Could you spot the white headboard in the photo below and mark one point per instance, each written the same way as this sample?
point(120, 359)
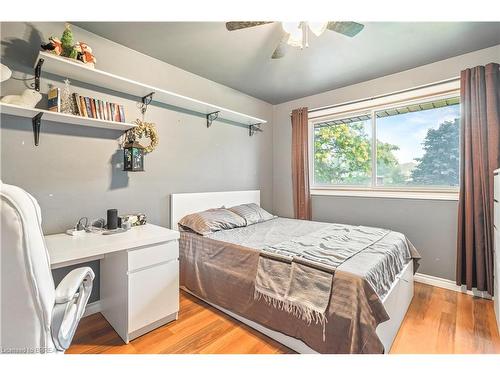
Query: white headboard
point(188, 203)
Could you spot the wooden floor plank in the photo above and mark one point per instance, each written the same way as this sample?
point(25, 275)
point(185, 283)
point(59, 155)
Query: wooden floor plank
point(438, 321)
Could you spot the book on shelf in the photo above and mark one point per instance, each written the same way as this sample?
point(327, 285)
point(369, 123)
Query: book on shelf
point(102, 110)
point(76, 101)
point(108, 111)
point(99, 109)
point(122, 113)
point(88, 107)
point(83, 106)
point(92, 108)
point(54, 99)
point(116, 117)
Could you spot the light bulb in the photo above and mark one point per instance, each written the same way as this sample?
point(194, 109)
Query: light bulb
point(317, 28)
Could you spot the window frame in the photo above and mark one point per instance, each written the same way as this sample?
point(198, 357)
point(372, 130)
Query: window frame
point(370, 107)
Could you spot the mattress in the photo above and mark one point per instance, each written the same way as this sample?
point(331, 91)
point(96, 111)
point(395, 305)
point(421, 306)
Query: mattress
point(221, 269)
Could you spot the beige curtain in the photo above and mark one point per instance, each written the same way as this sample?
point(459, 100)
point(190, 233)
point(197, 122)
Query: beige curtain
point(300, 165)
point(480, 156)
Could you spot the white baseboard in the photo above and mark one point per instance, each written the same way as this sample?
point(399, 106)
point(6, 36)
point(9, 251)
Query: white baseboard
point(92, 308)
point(449, 284)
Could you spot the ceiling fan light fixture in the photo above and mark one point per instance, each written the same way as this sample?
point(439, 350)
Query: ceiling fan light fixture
point(294, 29)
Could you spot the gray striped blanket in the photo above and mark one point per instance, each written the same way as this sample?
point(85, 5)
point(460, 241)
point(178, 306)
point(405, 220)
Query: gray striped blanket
point(296, 275)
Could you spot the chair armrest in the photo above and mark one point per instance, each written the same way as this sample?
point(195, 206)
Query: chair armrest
point(69, 286)
point(71, 297)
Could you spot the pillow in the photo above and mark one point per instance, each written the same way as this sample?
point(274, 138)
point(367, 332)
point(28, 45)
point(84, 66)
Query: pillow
point(252, 213)
point(212, 220)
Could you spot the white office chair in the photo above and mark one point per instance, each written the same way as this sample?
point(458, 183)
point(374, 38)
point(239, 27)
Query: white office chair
point(35, 317)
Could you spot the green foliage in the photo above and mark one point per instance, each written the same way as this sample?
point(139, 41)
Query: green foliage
point(68, 47)
point(343, 155)
point(440, 163)
point(388, 165)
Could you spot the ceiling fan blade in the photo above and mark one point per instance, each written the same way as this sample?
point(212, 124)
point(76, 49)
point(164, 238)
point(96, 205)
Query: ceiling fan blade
point(231, 26)
point(281, 48)
point(346, 28)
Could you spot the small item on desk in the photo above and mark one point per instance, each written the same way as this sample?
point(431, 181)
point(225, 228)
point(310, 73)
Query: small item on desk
point(74, 232)
point(114, 231)
point(79, 228)
point(134, 219)
point(112, 222)
point(126, 225)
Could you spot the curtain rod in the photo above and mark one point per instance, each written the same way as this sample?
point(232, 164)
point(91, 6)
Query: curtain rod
point(383, 95)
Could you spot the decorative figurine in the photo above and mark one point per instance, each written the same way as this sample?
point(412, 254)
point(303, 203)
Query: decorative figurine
point(29, 99)
point(85, 54)
point(54, 45)
point(67, 102)
point(5, 73)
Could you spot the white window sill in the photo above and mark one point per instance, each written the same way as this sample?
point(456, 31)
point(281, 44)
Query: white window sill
point(426, 195)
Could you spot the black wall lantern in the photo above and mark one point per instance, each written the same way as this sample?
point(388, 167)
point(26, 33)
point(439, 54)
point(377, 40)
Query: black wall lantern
point(133, 155)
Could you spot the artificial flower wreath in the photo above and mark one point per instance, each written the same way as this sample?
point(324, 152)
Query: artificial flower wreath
point(147, 130)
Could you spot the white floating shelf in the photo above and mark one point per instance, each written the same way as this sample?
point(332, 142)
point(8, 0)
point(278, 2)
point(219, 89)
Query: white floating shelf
point(15, 110)
point(74, 70)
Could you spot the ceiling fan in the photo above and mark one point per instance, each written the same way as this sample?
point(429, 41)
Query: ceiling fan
point(296, 34)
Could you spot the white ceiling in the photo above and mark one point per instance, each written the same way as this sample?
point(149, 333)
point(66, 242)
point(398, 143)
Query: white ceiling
point(241, 59)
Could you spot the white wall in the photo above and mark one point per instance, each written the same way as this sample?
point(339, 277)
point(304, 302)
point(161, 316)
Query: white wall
point(430, 225)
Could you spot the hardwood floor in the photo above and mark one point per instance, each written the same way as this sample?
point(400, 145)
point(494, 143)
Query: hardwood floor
point(441, 321)
point(438, 321)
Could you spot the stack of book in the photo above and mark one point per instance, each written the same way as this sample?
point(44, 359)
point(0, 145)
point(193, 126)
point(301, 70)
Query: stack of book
point(87, 107)
point(99, 109)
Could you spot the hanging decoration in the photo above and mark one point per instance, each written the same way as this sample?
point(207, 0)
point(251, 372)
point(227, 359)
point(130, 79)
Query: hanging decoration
point(133, 155)
point(65, 47)
point(133, 151)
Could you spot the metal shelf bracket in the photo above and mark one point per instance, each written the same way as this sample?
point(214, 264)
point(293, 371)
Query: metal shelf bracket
point(36, 121)
point(254, 128)
point(38, 72)
point(146, 100)
point(211, 117)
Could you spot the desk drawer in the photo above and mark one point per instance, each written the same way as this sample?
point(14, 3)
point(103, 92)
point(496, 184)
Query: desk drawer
point(153, 294)
point(151, 255)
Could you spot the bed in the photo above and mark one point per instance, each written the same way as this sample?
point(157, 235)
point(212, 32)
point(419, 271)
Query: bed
point(370, 292)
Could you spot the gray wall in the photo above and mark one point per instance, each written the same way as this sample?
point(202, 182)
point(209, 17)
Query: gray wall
point(76, 171)
point(429, 224)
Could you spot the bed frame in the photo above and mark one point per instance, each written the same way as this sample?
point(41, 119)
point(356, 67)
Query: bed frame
point(396, 301)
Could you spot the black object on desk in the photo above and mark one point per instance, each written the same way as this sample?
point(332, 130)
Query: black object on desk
point(112, 222)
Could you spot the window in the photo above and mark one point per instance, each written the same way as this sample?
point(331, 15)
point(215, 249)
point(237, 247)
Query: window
point(414, 146)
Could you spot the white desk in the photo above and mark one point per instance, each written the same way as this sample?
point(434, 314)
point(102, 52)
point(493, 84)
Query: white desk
point(139, 274)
